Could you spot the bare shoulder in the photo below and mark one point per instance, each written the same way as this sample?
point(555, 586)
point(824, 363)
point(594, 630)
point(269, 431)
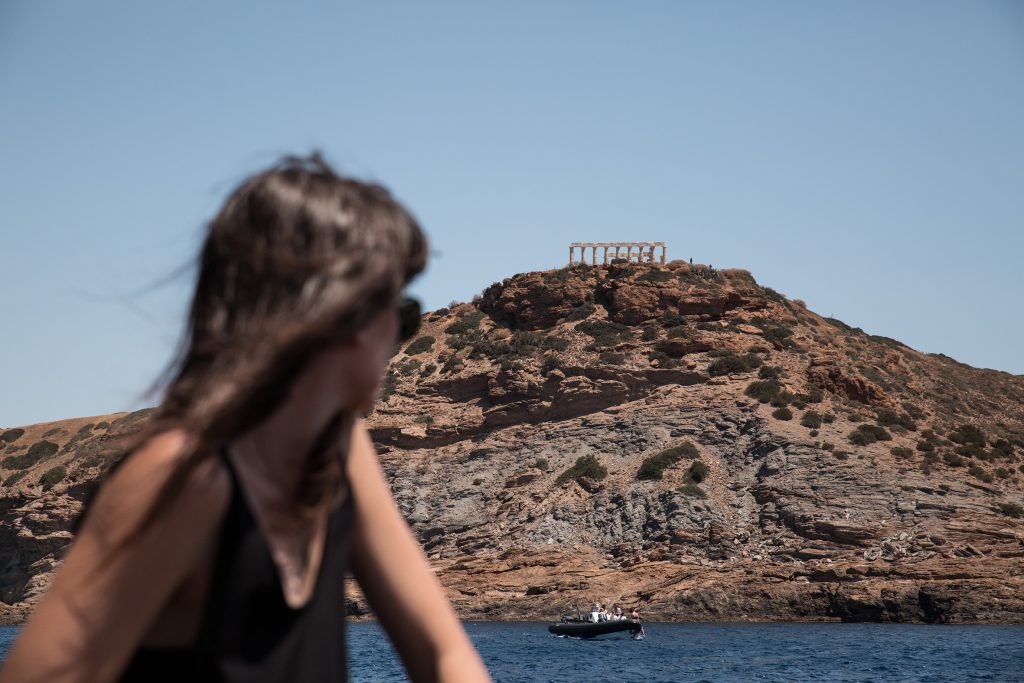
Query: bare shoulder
point(135, 486)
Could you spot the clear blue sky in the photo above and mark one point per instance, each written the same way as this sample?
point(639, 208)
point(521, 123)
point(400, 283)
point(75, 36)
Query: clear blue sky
point(867, 157)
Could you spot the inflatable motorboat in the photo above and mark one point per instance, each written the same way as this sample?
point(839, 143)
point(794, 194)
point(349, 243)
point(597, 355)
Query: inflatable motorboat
point(582, 628)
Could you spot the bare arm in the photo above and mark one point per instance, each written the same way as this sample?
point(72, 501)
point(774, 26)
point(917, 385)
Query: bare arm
point(108, 592)
point(399, 582)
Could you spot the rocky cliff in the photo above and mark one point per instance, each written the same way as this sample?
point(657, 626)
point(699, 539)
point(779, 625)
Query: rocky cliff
point(669, 437)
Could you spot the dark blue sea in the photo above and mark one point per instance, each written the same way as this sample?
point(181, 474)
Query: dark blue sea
point(718, 652)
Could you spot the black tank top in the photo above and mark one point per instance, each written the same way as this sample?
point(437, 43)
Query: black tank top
point(248, 633)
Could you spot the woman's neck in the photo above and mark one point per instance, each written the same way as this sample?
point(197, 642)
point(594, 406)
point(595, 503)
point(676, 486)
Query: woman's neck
point(274, 453)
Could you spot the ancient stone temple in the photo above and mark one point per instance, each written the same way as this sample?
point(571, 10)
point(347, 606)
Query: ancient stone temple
point(636, 252)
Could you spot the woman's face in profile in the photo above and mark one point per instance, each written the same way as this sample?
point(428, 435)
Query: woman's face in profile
point(352, 372)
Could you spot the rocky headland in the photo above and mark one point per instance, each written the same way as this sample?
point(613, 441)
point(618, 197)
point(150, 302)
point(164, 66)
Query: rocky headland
point(669, 437)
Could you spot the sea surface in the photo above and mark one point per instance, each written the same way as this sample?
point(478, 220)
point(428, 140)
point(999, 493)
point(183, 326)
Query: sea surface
point(717, 652)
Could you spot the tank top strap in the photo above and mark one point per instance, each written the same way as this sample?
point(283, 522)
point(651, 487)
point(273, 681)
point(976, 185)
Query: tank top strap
point(236, 523)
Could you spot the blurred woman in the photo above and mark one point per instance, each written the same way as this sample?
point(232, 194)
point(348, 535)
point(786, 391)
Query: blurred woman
point(216, 549)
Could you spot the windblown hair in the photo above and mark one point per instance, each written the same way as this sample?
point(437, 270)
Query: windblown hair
point(297, 259)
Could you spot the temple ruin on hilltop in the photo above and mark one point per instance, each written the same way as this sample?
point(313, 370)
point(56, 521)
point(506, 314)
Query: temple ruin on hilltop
point(645, 252)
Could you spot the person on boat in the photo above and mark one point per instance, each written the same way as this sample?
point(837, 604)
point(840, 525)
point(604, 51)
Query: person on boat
point(634, 615)
point(618, 614)
point(595, 614)
point(216, 550)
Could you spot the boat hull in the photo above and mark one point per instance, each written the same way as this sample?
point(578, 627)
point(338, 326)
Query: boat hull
point(589, 629)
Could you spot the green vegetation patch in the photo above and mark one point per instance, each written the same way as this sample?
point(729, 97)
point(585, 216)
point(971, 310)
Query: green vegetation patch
point(522, 345)
point(12, 435)
point(1011, 510)
point(388, 386)
point(778, 336)
point(15, 478)
point(979, 473)
point(52, 477)
point(420, 345)
point(451, 364)
point(586, 466)
point(38, 452)
point(764, 390)
point(866, 434)
point(654, 466)
point(553, 342)
point(901, 452)
point(729, 363)
point(581, 312)
point(811, 419)
point(891, 418)
point(836, 322)
point(604, 333)
point(1001, 448)
point(968, 434)
point(557, 276)
point(813, 395)
point(550, 364)
point(672, 318)
point(692, 490)
point(972, 450)
point(782, 413)
point(466, 323)
point(408, 367)
point(698, 472)
point(664, 360)
point(952, 459)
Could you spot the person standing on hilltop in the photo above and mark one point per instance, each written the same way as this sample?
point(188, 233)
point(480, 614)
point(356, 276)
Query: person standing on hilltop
point(216, 549)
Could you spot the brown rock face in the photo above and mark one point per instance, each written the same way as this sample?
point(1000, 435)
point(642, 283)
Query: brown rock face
point(535, 301)
point(677, 348)
point(836, 380)
point(635, 301)
point(539, 453)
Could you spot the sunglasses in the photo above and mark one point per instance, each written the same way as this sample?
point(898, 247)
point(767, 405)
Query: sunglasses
point(408, 319)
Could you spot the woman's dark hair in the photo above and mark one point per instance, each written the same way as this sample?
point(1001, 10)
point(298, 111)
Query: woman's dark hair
point(297, 259)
